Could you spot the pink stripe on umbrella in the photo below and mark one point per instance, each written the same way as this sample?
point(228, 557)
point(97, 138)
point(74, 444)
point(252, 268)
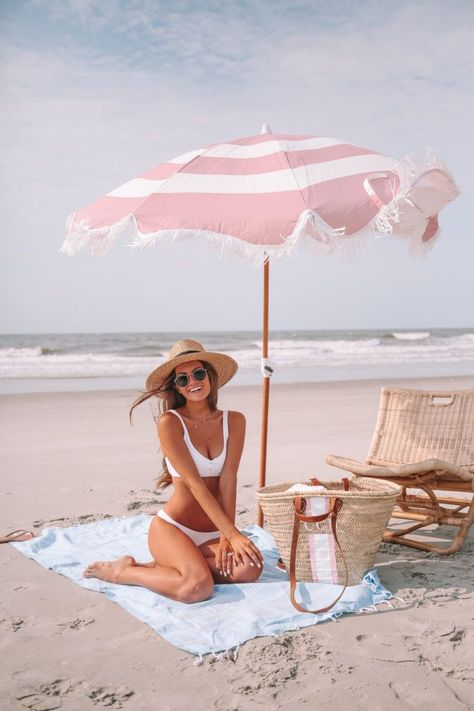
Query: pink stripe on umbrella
point(259, 219)
point(327, 198)
point(107, 211)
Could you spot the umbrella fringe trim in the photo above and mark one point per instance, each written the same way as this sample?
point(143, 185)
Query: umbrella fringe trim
point(256, 254)
point(98, 240)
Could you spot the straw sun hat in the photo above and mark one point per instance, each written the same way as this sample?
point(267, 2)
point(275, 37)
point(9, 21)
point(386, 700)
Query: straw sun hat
point(186, 350)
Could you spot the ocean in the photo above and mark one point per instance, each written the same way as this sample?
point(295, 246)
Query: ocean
point(97, 361)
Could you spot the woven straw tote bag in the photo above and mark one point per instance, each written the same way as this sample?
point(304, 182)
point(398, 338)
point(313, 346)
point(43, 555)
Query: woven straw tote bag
point(329, 533)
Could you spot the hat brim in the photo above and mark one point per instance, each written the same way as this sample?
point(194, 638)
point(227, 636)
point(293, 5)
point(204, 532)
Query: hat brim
point(225, 367)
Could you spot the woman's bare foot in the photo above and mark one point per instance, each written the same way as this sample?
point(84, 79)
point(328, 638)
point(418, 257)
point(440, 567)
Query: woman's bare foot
point(110, 570)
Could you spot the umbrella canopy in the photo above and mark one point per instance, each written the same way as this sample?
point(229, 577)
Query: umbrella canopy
point(257, 196)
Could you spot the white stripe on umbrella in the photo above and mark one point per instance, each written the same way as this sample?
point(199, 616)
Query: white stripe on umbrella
point(187, 157)
point(274, 182)
point(264, 149)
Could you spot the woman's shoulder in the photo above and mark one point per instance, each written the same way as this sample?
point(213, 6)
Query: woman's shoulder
point(167, 422)
point(235, 418)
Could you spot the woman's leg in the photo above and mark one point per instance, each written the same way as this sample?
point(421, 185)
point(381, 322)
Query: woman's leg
point(179, 570)
point(240, 574)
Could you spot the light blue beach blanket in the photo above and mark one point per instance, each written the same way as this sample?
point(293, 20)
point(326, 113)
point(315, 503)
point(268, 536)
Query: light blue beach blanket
point(235, 612)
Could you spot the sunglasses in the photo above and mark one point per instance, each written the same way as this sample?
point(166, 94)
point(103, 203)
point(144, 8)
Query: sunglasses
point(182, 380)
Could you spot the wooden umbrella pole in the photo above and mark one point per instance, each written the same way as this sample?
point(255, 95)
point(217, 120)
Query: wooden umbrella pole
point(265, 385)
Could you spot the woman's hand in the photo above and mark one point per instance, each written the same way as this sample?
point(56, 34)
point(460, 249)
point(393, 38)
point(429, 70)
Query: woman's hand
point(245, 551)
point(224, 557)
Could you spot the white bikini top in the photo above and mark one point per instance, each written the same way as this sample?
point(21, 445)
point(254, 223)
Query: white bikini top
point(206, 467)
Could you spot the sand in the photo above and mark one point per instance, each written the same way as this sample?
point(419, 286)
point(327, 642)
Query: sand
point(72, 457)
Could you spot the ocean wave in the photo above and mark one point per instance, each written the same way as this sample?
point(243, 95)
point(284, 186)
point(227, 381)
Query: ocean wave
point(87, 365)
point(36, 352)
point(296, 347)
point(369, 351)
point(320, 352)
point(6, 353)
point(411, 335)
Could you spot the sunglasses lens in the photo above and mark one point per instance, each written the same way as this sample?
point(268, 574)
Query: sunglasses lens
point(183, 379)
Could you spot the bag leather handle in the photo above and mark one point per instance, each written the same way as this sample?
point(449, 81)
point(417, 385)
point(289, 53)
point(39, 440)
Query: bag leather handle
point(335, 506)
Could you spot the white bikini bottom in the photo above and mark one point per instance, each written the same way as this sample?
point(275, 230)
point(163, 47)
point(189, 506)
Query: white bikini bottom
point(197, 537)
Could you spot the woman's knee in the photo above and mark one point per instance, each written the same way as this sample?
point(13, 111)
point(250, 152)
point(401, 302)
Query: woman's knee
point(196, 588)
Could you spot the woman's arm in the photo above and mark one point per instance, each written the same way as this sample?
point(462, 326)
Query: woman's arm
point(228, 477)
point(227, 492)
point(242, 547)
point(170, 432)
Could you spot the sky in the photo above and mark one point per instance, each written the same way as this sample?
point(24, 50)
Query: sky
point(96, 92)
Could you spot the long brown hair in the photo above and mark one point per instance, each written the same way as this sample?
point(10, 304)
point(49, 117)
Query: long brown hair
point(170, 399)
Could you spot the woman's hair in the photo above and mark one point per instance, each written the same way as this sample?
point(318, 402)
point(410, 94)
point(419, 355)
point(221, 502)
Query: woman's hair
point(170, 399)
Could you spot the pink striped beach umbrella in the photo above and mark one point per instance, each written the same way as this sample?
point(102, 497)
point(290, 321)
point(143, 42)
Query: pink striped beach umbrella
point(259, 196)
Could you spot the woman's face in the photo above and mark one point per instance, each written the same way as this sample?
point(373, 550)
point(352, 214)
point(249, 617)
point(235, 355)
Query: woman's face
point(195, 390)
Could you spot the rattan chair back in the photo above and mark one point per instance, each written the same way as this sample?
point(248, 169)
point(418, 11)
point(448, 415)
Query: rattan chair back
point(413, 425)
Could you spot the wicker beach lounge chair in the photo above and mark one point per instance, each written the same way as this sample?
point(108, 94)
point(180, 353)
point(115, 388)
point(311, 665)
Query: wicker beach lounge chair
point(424, 441)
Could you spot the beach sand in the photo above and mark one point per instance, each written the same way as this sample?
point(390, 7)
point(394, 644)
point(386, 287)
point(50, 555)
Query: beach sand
point(72, 457)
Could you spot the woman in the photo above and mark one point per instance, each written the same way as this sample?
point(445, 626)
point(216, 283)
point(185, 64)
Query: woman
point(193, 540)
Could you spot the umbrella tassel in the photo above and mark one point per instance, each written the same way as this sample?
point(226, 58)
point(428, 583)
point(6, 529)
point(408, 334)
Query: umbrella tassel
point(97, 239)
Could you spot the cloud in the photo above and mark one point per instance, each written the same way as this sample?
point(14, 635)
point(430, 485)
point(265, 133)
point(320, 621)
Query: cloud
point(232, 38)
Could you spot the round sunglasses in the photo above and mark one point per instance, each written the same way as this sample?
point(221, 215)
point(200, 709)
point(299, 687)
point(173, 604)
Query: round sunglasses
point(183, 379)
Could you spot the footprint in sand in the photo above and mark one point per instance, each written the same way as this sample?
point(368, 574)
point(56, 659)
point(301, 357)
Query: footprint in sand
point(54, 522)
point(105, 696)
point(47, 697)
point(16, 625)
point(458, 635)
point(272, 664)
point(69, 521)
point(77, 624)
point(39, 702)
point(136, 505)
point(145, 499)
